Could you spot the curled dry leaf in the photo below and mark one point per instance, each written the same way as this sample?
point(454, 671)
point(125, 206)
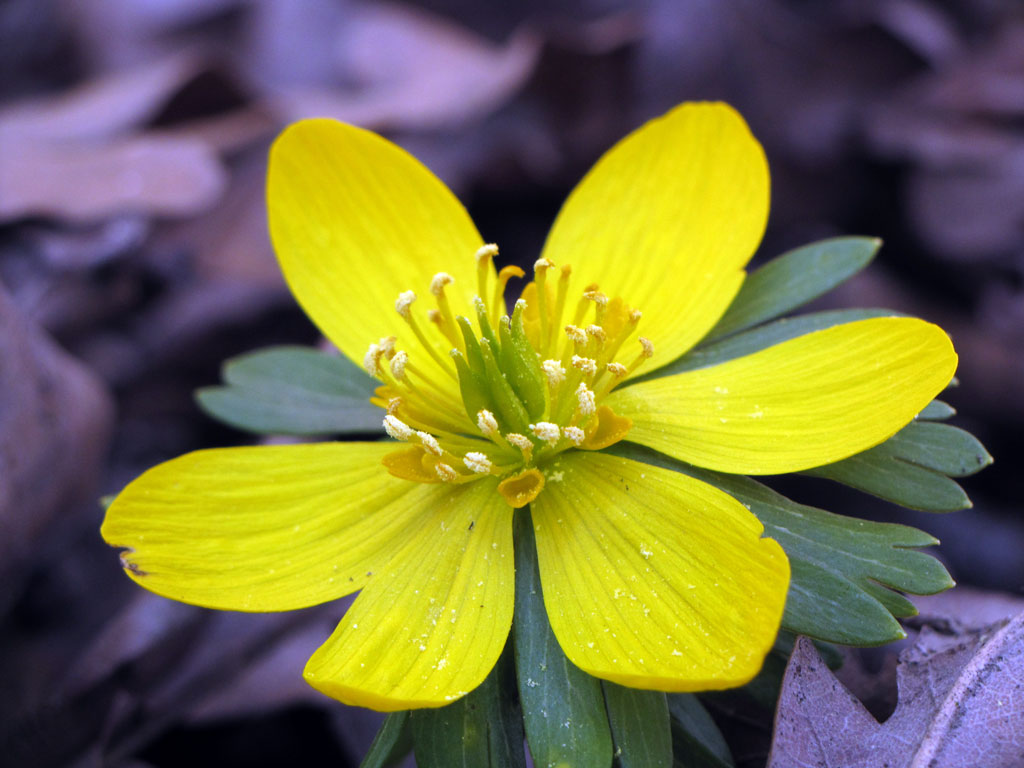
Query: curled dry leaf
point(413, 70)
point(55, 423)
point(961, 705)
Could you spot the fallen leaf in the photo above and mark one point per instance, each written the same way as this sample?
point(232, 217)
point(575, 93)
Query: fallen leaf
point(961, 705)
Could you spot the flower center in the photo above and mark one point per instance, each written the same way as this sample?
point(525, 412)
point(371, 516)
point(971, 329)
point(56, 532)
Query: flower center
point(519, 389)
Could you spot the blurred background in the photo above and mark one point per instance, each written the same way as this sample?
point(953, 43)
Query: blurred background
point(134, 259)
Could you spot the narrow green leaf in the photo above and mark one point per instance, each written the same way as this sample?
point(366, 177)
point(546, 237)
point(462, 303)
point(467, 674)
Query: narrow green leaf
point(696, 740)
point(295, 391)
point(762, 337)
point(838, 563)
point(483, 729)
point(563, 707)
point(392, 742)
point(793, 279)
point(640, 726)
point(913, 467)
point(937, 410)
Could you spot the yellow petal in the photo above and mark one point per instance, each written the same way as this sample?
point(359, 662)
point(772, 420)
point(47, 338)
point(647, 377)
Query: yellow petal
point(667, 219)
point(653, 579)
point(265, 528)
point(430, 625)
point(809, 401)
point(355, 221)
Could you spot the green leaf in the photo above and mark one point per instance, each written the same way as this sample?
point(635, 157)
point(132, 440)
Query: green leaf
point(762, 337)
point(640, 726)
point(294, 391)
point(937, 410)
point(844, 570)
point(696, 740)
point(793, 279)
point(914, 466)
point(392, 742)
point(563, 707)
point(483, 729)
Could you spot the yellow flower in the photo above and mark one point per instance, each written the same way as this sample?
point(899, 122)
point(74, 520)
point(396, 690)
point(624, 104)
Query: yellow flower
point(651, 578)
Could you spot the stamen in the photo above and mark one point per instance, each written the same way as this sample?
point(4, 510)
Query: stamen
point(596, 332)
point(477, 462)
point(404, 302)
point(648, 346)
point(574, 434)
point(371, 361)
point(441, 279)
point(398, 363)
point(586, 400)
point(484, 256)
point(600, 304)
point(487, 424)
point(618, 370)
point(387, 346)
point(540, 271)
point(523, 443)
point(563, 289)
point(445, 472)
point(576, 335)
point(585, 364)
point(393, 405)
point(430, 443)
point(506, 274)
point(547, 432)
point(583, 304)
point(554, 371)
point(396, 428)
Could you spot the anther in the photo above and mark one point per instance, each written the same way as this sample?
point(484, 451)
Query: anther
point(522, 442)
point(404, 302)
point(477, 462)
point(441, 279)
point(585, 398)
point(554, 371)
point(398, 363)
point(547, 432)
point(430, 443)
point(597, 333)
point(371, 361)
point(396, 428)
point(575, 435)
point(387, 346)
point(434, 316)
point(445, 472)
point(486, 422)
point(575, 334)
point(585, 364)
point(542, 264)
point(393, 405)
point(648, 347)
point(488, 251)
point(618, 370)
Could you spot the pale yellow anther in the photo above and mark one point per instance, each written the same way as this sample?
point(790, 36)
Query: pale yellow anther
point(445, 472)
point(648, 347)
point(618, 370)
point(586, 400)
point(371, 361)
point(597, 333)
point(542, 264)
point(522, 442)
point(387, 346)
point(430, 443)
point(441, 279)
point(477, 462)
point(547, 432)
point(434, 316)
point(404, 302)
point(576, 335)
point(398, 363)
point(487, 251)
point(487, 424)
point(393, 405)
point(585, 364)
point(575, 435)
point(597, 297)
point(397, 429)
point(635, 315)
point(555, 372)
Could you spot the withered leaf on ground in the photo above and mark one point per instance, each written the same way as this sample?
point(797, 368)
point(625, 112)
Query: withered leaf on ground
point(961, 705)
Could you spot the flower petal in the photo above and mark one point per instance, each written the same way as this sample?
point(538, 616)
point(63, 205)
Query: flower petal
point(667, 219)
point(430, 625)
point(355, 221)
point(653, 579)
point(806, 402)
point(264, 528)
